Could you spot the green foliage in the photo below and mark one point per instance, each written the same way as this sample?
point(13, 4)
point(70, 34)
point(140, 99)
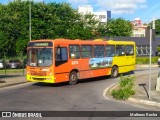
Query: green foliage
point(125, 88)
point(115, 27)
point(158, 49)
point(157, 25)
point(49, 21)
point(119, 27)
point(145, 60)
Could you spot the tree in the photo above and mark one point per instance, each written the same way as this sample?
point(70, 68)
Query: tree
point(119, 27)
point(157, 27)
point(50, 21)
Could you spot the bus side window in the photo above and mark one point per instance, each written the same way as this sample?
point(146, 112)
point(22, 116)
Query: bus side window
point(86, 51)
point(110, 51)
point(98, 51)
point(129, 50)
point(74, 51)
point(61, 54)
point(64, 54)
point(120, 50)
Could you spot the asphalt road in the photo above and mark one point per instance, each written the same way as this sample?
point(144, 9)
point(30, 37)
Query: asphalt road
point(87, 95)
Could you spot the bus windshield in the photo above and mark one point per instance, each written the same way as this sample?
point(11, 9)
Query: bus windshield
point(40, 57)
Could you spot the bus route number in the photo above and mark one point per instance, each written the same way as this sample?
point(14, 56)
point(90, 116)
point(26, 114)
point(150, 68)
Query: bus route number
point(74, 62)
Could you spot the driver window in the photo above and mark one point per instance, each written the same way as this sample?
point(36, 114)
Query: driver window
point(61, 54)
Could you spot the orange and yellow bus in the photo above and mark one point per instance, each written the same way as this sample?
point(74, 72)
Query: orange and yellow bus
point(61, 60)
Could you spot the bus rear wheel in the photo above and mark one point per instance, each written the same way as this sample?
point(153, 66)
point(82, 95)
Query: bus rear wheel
point(73, 78)
point(114, 72)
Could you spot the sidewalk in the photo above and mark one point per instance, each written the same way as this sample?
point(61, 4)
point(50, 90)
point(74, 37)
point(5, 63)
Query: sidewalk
point(12, 80)
point(141, 87)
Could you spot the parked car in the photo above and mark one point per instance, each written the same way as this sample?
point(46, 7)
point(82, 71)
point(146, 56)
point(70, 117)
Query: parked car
point(159, 62)
point(2, 64)
point(15, 64)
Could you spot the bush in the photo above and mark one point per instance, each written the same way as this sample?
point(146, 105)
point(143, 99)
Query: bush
point(125, 88)
point(145, 60)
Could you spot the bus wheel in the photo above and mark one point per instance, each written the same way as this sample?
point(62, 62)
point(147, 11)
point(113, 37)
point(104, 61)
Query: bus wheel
point(73, 78)
point(114, 72)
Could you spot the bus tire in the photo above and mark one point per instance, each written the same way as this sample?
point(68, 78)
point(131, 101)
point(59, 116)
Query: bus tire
point(114, 72)
point(73, 78)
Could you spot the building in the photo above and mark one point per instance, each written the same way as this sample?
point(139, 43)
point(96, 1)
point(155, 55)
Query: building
point(139, 29)
point(142, 44)
point(102, 16)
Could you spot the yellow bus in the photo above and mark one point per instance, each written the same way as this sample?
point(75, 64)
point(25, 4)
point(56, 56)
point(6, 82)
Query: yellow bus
point(123, 54)
point(61, 60)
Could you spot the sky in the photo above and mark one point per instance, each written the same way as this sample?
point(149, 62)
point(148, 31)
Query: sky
point(146, 10)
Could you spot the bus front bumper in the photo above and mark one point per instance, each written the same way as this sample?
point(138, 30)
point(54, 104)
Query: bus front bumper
point(44, 79)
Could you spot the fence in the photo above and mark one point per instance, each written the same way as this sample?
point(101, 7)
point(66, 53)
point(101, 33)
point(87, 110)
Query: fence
point(12, 68)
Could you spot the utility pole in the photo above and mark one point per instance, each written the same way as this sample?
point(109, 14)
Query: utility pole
point(150, 56)
point(30, 29)
point(150, 59)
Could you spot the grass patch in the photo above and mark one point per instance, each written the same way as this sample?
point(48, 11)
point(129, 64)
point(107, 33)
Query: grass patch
point(125, 88)
point(12, 70)
point(146, 60)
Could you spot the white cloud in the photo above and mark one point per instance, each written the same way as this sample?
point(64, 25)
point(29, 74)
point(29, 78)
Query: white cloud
point(122, 6)
point(116, 6)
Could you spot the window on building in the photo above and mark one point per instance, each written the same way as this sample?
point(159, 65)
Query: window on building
point(141, 35)
point(143, 50)
point(102, 16)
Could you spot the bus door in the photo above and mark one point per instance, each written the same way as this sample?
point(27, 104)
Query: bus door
point(61, 63)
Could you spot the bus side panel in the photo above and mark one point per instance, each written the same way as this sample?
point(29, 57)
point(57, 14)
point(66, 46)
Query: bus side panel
point(124, 63)
point(86, 71)
point(62, 71)
point(61, 77)
point(120, 62)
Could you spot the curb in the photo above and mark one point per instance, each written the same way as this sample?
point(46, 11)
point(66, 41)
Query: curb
point(146, 102)
point(11, 84)
point(145, 66)
point(108, 89)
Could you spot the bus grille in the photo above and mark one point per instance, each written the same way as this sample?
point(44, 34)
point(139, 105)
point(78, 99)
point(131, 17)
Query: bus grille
point(42, 79)
point(40, 73)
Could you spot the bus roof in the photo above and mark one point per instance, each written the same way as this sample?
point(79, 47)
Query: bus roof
point(78, 41)
point(120, 42)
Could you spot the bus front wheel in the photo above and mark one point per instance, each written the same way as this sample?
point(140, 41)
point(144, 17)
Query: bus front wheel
point(114, 72)
point(73, 78)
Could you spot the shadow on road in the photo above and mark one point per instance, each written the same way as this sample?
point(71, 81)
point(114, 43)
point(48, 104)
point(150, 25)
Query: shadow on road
point(80, 81)
point(9, 76)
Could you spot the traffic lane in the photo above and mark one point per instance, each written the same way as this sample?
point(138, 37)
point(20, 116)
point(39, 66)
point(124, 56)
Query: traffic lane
point(86, 95)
